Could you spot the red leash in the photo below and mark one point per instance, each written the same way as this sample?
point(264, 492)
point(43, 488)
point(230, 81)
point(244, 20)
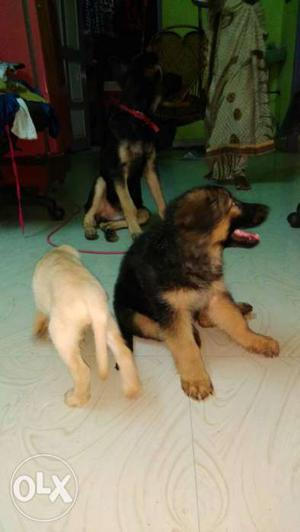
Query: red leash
point(87, 252)
point(137, 114)
point(60, 226)
point(17, 179)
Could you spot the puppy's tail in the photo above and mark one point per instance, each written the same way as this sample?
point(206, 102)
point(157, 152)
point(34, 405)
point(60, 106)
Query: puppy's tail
point(99, 317)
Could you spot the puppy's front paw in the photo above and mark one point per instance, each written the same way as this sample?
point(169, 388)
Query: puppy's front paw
point(91, 234)
point(265, 345)
point(71, 399)
point(198, 388)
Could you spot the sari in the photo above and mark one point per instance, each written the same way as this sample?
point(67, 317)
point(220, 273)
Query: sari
point(238, 117)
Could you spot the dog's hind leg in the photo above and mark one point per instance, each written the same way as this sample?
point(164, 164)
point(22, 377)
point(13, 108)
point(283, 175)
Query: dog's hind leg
point(246, 309)
point(89, 221)
point(40, 325)
point(124, 360)
point(228, 317)
point(154, 185)
point(66, 340)
point(110, 228)
point(146, 328)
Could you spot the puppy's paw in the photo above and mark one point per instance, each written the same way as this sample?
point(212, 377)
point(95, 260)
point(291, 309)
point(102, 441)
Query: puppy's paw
point(198, 388)
point(245, 308)
point(111, 235)
point(71, 399)
point(91, 234)
point(265, 345)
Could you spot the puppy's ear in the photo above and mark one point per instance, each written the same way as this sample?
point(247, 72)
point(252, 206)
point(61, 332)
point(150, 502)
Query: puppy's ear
point(198, 211)
point(119, 70)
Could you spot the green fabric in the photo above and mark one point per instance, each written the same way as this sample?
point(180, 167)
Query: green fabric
point(20, 91)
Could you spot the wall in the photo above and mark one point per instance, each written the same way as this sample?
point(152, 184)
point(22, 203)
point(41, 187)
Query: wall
point(273, 19)
point(183, 12)
point(179, 12)
point(281, 26)
point(289, 25)
point(281, 19)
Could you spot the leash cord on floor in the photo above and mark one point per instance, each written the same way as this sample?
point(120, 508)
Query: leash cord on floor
point(86, 251)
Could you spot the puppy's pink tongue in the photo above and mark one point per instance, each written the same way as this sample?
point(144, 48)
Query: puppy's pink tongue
point(245, 236)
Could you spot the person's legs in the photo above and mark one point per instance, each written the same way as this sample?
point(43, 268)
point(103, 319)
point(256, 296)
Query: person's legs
point(229, 168)
point(238, 116)
point(239, 169)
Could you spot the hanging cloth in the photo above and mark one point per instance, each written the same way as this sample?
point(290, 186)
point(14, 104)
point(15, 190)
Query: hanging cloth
point(23, 126)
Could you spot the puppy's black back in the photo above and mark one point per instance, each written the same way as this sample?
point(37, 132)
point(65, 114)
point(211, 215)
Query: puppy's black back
point(149, 267)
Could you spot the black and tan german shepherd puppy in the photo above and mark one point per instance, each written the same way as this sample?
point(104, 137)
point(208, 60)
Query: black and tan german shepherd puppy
point(129, 153)
point(172, 277)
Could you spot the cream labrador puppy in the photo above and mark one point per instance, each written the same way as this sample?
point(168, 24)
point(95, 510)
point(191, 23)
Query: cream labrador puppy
point(68, 300)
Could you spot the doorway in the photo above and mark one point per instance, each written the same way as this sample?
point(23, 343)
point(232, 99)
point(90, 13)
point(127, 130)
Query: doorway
point(92, 32)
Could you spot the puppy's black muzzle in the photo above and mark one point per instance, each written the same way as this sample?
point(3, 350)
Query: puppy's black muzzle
point(252, 214)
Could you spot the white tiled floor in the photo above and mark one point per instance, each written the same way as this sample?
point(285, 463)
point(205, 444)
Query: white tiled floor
point(162, 463)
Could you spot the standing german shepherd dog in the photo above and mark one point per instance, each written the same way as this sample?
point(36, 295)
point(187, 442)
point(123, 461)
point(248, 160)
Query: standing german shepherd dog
point(116, 201)
point(172, 277)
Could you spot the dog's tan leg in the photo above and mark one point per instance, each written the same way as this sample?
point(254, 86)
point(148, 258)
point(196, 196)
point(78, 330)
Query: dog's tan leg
point(224, 313)
point(40, 325)
point(66, 340)
point(142, 216)
point(147, 328)
point(154, 185)
point(124, 359)
point(129, 209)
point(205, 321)
point(89, 221)
point(195, 380)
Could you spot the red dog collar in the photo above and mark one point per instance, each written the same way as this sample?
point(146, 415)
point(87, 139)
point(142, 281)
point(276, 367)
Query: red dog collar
point(140, 116)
